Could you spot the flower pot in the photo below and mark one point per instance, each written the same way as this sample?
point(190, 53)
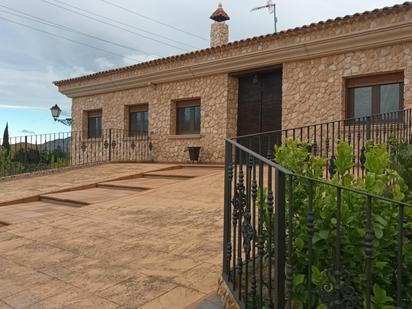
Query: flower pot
point(194, 152)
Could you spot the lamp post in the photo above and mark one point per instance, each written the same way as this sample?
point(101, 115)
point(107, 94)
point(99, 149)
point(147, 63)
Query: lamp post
point(56, 111)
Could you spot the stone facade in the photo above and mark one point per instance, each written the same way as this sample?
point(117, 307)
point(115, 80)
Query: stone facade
point(219, 35)
point(225, 295)
point(313, 81)
point(314, 89)
point(167, 146)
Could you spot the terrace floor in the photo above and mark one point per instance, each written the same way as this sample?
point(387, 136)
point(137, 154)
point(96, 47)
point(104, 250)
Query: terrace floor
point(118, 236)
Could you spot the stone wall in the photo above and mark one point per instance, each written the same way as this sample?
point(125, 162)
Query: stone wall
point(167, 146)
point(314, 89)
point(219, 34)
point(232, 105)
point(225, 295)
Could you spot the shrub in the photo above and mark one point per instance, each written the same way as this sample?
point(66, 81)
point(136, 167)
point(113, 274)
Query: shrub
point(401, 161)
point(327, 279)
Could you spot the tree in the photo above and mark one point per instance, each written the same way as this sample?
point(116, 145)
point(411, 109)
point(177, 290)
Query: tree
point(6, 143)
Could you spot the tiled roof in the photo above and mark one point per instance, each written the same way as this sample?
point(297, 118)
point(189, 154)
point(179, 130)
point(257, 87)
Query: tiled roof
point(219, 15)
point(297, 30)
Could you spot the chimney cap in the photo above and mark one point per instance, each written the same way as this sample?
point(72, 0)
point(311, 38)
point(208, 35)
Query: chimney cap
point(220, 15)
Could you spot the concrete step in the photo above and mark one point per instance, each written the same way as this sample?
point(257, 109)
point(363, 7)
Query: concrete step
point(3, 224)
point(114, 186)
point(166, 176)
point(62, 201)
point(141, 183)
point(89, 196)
point(185, 172)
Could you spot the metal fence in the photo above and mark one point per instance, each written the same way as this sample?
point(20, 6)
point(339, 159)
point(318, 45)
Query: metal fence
point(323, 137)
point(25, 154)
point(274, 253)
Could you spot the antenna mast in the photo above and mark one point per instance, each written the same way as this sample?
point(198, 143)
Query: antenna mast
point(272, 10)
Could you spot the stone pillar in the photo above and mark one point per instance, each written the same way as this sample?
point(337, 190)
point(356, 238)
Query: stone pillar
point(219, 34)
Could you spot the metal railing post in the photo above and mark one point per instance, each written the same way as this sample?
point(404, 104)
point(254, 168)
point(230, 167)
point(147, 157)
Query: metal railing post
point(368, 127)
point(227, 203)
point(25, 152)
point(110, 144)
point(280, 238)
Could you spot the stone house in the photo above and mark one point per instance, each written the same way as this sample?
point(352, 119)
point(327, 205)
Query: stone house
point(347, 67)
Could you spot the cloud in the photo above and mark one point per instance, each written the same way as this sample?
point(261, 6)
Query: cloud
point(22, 107)
point(30, 61)
point(24, 131)
point(104, 64)
point(131, 59)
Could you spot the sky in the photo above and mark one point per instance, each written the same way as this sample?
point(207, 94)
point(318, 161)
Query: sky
point(30, 60)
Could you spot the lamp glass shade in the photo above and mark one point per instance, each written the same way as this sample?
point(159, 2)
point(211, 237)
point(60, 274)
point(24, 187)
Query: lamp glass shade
point(55, 111)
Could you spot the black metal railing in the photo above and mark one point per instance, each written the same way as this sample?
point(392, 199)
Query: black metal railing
point(323, 137)
point(25, 154)
point(278, 254)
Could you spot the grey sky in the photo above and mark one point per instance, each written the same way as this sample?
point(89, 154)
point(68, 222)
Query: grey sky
point(30, 61)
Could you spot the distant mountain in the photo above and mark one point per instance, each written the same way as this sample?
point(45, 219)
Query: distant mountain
point(62, 144)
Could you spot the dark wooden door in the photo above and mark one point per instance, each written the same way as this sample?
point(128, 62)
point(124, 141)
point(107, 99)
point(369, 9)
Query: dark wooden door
point(260, 103)
point(260, 110)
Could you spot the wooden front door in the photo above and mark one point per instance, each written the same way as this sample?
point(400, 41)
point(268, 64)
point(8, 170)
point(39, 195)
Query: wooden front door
point(260, 103)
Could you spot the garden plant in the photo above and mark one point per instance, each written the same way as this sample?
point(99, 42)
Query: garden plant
point(388, 174)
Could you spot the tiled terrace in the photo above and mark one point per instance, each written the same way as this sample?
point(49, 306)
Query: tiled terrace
point(151, 242)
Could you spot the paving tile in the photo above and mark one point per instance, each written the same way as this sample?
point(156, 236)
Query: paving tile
point(89, 275)
point(4, 305)
point(17, 279)
point(38, 255)
point(145, 183)
point(159, 248)
point(138, 290)
point(9, 241)
point(73, 299)
point(29, 186)
point(42, 233)
point(124, 254)
point(36, 293)
point(187, 172)
point(94, 195)
point(177, 298)
point(203, 277)
point(163, 264)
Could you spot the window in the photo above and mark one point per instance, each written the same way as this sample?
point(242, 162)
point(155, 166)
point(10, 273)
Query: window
point(188, 117)
point(138, 120)
point(94, 124)
point(373, 95)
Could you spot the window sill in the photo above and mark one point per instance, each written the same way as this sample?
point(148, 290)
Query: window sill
point(185, 136)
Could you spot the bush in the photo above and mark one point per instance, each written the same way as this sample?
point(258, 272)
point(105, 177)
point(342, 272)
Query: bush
point(31, 160)
point(351, 276)
point(401, 161)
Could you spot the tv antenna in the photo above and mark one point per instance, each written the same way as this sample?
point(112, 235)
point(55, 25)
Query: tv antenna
point(271, 8)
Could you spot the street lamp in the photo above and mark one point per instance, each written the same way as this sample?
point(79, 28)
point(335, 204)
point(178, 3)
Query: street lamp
point(56, 111)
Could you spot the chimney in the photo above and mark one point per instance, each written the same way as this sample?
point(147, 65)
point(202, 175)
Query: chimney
point(219, 34)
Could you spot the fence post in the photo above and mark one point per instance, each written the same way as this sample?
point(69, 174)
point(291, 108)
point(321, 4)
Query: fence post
point(368, 127)
point(227, 205)
point(25, 151)
point(110, 144)
point(280, 237)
